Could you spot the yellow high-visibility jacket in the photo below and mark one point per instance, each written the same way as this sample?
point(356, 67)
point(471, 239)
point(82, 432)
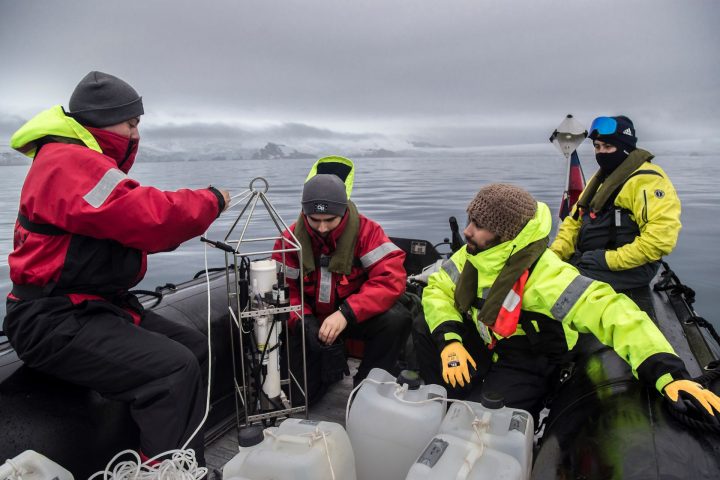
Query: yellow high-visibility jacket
point(556, 290)
point(652, 203)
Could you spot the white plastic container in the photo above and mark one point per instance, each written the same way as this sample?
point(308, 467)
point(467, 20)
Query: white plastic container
point(389, 426)
point(30, 465)
point(296, 450)
point(263, 275)
point(450, 457)
point(507, 430)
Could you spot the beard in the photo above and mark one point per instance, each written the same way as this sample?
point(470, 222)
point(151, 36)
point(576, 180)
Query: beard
point(474, 248)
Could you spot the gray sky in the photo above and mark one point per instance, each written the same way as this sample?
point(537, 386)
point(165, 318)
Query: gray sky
point(459, 73)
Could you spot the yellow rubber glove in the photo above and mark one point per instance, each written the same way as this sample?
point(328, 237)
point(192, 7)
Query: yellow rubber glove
point(687, 395)
point(455, 364)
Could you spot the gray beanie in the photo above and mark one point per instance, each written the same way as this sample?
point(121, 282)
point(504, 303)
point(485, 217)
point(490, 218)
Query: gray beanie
point(503, 209)
point(101, 100)
point(324, 193)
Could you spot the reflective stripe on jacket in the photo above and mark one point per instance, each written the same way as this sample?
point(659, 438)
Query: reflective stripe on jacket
point(652, 203)
point(556, 290)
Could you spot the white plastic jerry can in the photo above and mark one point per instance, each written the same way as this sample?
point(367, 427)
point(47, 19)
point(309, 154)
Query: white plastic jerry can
point(390, 424)
point(296, 450)
point(447, 456)
point(479, 441)
point(30, 465)
point(507, 430)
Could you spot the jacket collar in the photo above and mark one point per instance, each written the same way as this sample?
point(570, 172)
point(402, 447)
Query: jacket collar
point(119, 148)
point(50, 123)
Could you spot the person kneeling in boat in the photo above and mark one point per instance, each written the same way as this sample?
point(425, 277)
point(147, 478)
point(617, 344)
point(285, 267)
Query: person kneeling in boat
point(82, 237)
point(353, 280)
point(628, 216)
point(502, 312)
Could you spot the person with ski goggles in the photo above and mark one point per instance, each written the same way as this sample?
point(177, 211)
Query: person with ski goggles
point(628, 216)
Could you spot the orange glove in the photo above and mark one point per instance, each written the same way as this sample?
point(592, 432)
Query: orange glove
point(455, 364)
point(687, 395)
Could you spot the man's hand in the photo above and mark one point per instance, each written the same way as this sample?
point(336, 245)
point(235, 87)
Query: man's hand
point(226, 197)
point(331, 327)
point(455, 361)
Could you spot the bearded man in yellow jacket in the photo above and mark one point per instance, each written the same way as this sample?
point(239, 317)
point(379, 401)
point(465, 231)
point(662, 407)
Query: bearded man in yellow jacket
point(628, 216)
point(507, 306)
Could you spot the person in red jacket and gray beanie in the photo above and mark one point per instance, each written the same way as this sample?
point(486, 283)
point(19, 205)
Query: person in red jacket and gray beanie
point(81, 241)
point(353, 280)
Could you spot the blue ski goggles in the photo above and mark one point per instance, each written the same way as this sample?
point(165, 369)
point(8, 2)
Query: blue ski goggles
point(602, 126)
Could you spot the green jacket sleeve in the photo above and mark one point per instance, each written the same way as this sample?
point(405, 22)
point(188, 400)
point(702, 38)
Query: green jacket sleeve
point(654, 203)
point(589, 306)
point(620, 324)
point(438, 300)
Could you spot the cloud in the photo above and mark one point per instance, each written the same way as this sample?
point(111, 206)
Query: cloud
point(407, 68)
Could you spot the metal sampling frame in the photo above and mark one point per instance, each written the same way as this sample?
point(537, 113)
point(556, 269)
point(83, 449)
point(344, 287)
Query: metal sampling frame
point(247, 406)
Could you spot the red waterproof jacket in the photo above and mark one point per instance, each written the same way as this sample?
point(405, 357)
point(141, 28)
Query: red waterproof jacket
point(374, 284)
point(84, 227)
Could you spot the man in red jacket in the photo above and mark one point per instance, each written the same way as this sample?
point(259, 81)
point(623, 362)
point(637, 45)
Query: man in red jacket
point(353, 279)
point(81, 241)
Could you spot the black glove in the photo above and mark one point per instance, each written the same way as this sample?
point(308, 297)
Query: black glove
point(593, 260)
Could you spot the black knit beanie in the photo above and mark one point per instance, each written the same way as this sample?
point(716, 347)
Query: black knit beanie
point(101, 100)
point(324, 193)
point(623, 137)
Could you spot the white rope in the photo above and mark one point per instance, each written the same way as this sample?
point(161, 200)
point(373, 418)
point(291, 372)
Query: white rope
point(313, 437)
point(180, 466)
point(209, 335)
point(327, 454)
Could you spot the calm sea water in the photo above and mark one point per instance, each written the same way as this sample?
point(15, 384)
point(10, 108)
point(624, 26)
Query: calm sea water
point(411, 197)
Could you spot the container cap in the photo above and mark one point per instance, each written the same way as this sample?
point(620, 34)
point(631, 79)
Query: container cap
point(411, 378)
point(492, 400)
point(250, 436)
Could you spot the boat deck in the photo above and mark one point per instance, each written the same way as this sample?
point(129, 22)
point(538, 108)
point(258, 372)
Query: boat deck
point(330, 409)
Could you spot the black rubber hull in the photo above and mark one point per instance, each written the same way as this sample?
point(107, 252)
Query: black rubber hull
point(604, 424)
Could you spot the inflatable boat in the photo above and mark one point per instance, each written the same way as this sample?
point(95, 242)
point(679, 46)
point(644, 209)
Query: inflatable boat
point(602, 423)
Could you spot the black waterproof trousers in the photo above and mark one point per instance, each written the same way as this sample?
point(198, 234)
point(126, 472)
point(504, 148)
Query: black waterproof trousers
point(523, 378)
point(159, 368)
point(384, 336)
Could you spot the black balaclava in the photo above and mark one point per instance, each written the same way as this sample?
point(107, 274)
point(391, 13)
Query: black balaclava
point(623, 139)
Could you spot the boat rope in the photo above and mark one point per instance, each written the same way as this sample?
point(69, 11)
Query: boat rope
point(212, 270)
point(672, 284)
point(707, 379)
point(157, 293)
point(692, 422)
